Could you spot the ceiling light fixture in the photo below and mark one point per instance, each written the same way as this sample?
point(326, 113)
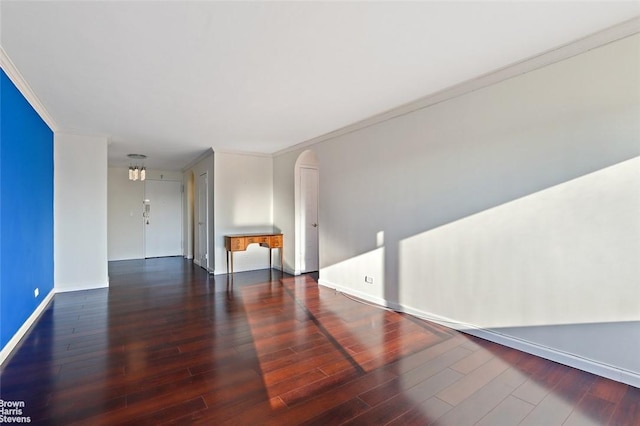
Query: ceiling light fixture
point(137, 171)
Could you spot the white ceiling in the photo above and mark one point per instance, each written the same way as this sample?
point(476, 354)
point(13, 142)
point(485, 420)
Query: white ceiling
point(171, 79)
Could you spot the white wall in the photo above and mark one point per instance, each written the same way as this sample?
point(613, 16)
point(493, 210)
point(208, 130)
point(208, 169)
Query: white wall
point(513, 208)
point(244, 204)
point(125, 233)
point(203, 164)
point(80, 212)
point(284, 205)
point(188, 222)
point(125, 223)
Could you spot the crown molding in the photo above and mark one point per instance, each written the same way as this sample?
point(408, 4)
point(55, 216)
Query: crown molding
point(240, 152)
point(88, 135)
point(207, 153)
point(565, 51)
point(16, 78)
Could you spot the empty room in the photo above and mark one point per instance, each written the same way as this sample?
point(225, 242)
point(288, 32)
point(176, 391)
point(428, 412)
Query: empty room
point(309, 212)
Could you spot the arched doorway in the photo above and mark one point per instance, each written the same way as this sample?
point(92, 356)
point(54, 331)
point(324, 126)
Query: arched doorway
point(306, 187)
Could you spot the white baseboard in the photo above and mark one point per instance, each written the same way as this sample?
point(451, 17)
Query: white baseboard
point(552, 354)
point(198, 263)
point(11, 344)
point(290, 271)
point(584, 364)
point(66, 289)
point(561, 357)
point(352, 292)
point(224, 272)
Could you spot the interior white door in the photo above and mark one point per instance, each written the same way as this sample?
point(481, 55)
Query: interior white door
point(203, 240)
point(309, 219)
point(163, 221)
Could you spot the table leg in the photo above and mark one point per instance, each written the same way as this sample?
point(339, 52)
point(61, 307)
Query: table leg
point(282, 259)
point(270, 258)
point(229, 271)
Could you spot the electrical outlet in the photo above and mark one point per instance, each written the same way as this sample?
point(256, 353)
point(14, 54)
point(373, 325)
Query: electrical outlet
point(36, 292)
point(368, 279)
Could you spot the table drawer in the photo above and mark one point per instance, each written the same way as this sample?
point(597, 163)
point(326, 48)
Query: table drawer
point(237, 244)
point(276, 241)
point(259, 240)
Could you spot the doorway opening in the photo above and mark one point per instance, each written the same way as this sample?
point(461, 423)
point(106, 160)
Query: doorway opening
point(201, 257)
point(189, 248)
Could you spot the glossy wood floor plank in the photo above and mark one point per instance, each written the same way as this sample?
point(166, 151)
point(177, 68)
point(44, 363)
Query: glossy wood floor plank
point(169, 344)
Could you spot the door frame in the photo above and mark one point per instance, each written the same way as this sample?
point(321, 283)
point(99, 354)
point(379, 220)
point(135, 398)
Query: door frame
point(202, 188)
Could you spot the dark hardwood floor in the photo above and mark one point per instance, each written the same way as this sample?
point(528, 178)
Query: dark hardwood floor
point(167, 343)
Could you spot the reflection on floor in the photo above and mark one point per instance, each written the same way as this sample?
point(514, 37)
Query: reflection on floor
point(167, 343)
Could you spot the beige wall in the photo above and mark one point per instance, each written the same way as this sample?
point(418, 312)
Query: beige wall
point(80, 212)
point(124, 206)
point(244, 204)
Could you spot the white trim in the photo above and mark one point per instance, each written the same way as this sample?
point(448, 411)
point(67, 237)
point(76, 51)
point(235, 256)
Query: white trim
point(351, 292)
point(240, 152)
point(14, 75)
point(568, 50)
point(207, 254)
point(290, 271)
point(89, 136)
point(206, 268)
point(207, 153)
point(63, 289)
point(584, 364)
point(22, 331)
point(565, 358)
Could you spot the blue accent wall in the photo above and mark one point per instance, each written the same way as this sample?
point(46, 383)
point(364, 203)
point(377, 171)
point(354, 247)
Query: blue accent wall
point(26, 209)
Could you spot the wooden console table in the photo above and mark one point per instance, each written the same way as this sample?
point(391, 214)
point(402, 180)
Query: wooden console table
point(239, 242)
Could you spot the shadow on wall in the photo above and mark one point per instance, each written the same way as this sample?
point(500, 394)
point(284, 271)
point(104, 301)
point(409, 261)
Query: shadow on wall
point(562, 255)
